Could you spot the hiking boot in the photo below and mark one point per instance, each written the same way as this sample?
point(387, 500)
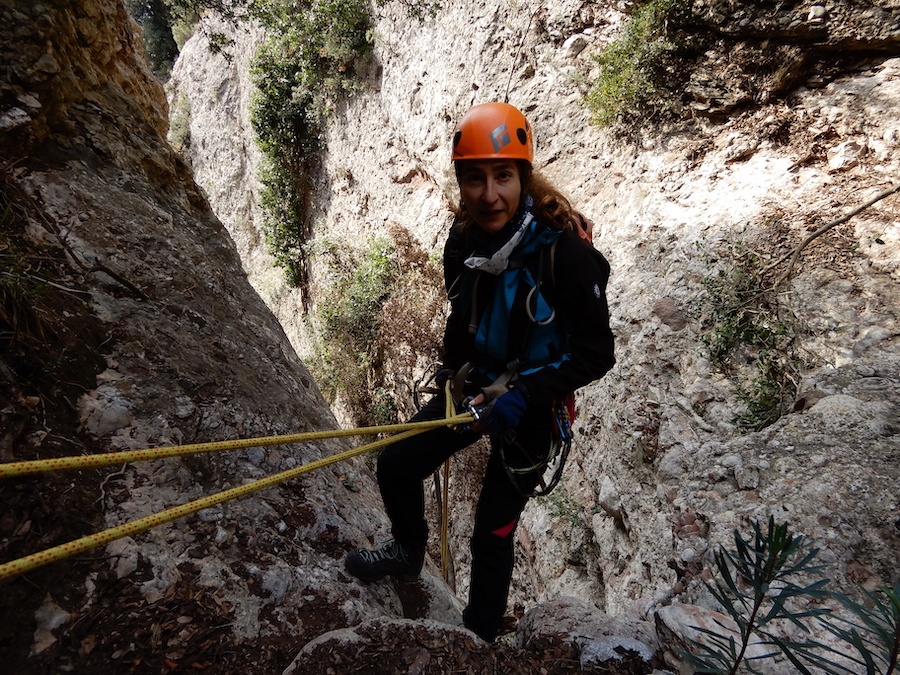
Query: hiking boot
point(392, 559)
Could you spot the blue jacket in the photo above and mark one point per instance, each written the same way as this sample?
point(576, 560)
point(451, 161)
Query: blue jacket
point(570, 351)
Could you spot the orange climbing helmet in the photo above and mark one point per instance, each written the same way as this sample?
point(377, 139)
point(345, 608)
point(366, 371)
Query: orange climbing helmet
point(493, 131)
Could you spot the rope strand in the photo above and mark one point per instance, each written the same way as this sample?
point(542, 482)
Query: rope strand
point(25, 468)
point(41, 558)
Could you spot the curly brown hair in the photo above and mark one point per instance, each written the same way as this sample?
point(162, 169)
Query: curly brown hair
point(550, 205)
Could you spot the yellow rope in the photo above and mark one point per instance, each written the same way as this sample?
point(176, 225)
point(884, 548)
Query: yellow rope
point(71, 548)
point(12, 469)
point(450, 411)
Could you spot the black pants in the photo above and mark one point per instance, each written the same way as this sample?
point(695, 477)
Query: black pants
point(404, 465)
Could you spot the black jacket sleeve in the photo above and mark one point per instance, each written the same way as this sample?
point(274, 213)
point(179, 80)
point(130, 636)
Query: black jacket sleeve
point(456, 328)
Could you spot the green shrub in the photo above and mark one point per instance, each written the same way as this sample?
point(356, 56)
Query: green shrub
point(757, 586)
point(873, 632)
point(180, 123)
point(375, 322)
point(183, 27)
point(349, 358)
point(561, 506)
point(419, 9)
point(351, 311)
point(313, 56)
point(772, 581)
point(748, 336)
point(383, 409)
point(636, 69)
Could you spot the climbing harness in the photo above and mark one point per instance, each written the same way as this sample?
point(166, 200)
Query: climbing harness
point(561, 437)
point(41, 558)
point(558, 452)
point(544, 329)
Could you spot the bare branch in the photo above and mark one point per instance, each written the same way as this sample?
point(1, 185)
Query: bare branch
point(822, 230)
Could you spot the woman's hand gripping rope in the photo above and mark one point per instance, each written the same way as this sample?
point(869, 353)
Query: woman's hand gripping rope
point(499, 416)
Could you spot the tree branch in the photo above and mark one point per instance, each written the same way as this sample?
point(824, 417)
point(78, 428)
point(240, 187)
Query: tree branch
point(822, 230)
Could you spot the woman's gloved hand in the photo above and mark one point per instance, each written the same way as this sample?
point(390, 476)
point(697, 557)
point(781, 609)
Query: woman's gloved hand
point(502, 414)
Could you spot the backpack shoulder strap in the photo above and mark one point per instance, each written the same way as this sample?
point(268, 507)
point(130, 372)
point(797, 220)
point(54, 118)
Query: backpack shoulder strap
point(548, 281)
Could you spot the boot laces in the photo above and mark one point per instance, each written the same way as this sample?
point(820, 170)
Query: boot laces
point(390, 551)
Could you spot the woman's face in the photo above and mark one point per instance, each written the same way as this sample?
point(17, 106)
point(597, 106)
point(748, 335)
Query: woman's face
point(490, 191)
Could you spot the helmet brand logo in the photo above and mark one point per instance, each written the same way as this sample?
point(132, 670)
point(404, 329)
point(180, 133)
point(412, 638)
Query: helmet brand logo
point(500, 137)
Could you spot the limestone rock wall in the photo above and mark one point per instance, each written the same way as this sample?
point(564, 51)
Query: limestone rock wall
point(104, 225)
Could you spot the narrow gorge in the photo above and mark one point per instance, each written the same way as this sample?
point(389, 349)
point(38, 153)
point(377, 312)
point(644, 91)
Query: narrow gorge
point(143, 308)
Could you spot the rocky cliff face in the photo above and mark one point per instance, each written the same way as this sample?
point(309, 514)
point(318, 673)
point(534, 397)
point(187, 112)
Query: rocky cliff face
point(128, 322)
point(660, 474)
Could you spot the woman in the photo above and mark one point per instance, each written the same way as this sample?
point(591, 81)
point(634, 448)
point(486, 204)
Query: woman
point(528, 325)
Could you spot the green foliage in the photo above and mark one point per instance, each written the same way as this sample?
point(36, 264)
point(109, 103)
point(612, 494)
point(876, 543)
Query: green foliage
point(348, 316)
point(562, 507)
point(733, 292)
point(221, 44)
point(183, 27)
point(313, 56)
point(230, 10)
point(636, 69)
point(383, 409)
point(180, 123)
point(284, 204)
point(773, 581)
point(420, 9)
point(757, 587)
point(873, 633)
point(185, 15)
point(20, 287)
point(167, 24)
point(768, 393)
point(375, 322)
point(746, 336)
point(351, 311)
point(156, 21)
